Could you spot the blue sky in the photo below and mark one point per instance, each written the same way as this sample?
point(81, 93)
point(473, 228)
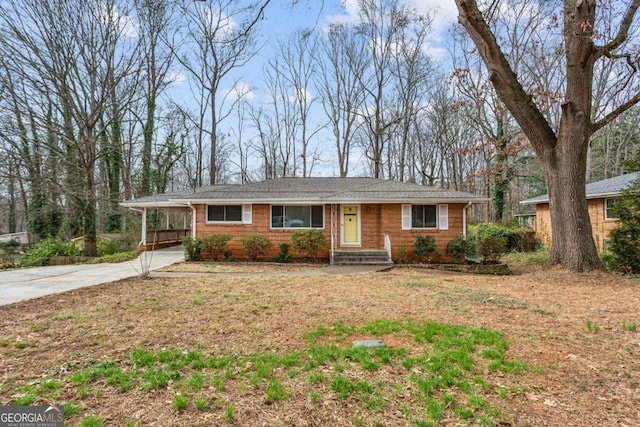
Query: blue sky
point(284, 18)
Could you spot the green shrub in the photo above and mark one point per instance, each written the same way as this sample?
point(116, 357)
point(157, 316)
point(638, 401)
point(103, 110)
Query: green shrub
point(308, 242)
point(491, 248)
point(624, 244)
point(10, 245)
point(624, 240)
point(461, 248)
point(48, 248)
point(120, 256)
point(425, 247)
point(215, 244)
point(112, 246)
point(516, 238)
point(610, 261)
point(192, 248)
point(254, 246)
point(538, 258)
point(283, 253)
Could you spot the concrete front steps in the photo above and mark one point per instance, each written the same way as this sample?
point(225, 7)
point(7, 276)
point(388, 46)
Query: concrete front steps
point(361, 257)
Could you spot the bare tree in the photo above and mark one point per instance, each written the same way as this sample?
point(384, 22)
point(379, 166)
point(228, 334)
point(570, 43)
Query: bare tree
point(274, 157)
point(412, 70)
point(489, 117)
point(381, 25)
point(343, 61)
point(587, 40)
point(296, 71)
point(219, 38)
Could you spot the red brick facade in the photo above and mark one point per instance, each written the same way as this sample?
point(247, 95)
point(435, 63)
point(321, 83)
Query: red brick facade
point(376, 220)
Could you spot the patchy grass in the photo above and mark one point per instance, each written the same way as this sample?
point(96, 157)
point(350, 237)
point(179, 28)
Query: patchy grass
point(277, 350)
point(438, 374)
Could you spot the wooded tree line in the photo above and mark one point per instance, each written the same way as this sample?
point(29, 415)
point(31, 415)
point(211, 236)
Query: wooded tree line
point(90, 116)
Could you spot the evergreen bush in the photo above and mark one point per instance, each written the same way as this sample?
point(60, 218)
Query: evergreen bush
point(192, 249)
point(460, 249)
point(255, 246)
point(425, 247)
point(491, 248)
point(283, 253)
point(624, 240)
point(215, 244)
point(308, 242)
point(50, 247)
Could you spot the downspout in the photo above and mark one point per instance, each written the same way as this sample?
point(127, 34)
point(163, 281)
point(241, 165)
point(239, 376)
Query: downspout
point(464, 219)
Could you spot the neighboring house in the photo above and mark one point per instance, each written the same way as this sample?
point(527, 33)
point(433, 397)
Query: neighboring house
point(356, 214)
point(601, 196)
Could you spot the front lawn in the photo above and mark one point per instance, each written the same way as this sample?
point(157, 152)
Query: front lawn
point(536, 348)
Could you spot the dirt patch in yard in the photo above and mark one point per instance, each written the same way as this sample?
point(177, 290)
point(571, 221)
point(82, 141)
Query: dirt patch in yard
point(574, 333)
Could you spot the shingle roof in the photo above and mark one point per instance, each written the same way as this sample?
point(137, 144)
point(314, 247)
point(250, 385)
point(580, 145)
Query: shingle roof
point(320, 190)
point(164, 198)
point(596, 190)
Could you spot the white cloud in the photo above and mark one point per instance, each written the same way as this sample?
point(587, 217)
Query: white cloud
point(172, 77)
point(218, 22)
point(240, 90)
point(110, 15)
point(301, 95)
point(443, 12)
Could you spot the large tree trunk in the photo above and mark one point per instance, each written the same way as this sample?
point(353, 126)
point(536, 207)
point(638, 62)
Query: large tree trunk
point(563, 154)
point(572, 244)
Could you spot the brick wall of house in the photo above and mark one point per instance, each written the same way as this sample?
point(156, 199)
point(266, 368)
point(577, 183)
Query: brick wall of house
point(376, 220)
point(543, 224)
point(392, 215)
point(600, 226)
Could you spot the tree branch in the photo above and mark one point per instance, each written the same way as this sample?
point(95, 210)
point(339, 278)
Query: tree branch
point(623, 31)
point(615, 113)
point(504, 79)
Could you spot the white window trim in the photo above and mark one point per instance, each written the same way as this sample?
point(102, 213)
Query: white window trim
point(324, 222)
point(606, 210)
point(246, 214)
point(442, 216)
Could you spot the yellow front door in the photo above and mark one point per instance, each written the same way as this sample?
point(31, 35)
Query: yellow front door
point(350, 231)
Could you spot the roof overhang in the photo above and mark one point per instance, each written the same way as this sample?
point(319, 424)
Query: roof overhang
point(184, 203)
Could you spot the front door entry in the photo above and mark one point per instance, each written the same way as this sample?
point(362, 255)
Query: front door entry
point(350, 226)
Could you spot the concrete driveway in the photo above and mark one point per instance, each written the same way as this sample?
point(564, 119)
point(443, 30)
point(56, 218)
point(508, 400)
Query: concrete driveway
point(26, 283)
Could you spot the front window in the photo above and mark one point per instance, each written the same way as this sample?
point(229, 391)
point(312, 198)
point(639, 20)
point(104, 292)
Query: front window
point(423, 216)
point(283, 216)
point(224, 213)
point(608, 206)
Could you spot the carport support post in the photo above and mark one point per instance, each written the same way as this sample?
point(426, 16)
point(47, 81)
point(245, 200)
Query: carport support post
point(143, 241)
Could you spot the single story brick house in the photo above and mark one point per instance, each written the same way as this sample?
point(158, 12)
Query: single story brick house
point(356, 214)
point(601, 196)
